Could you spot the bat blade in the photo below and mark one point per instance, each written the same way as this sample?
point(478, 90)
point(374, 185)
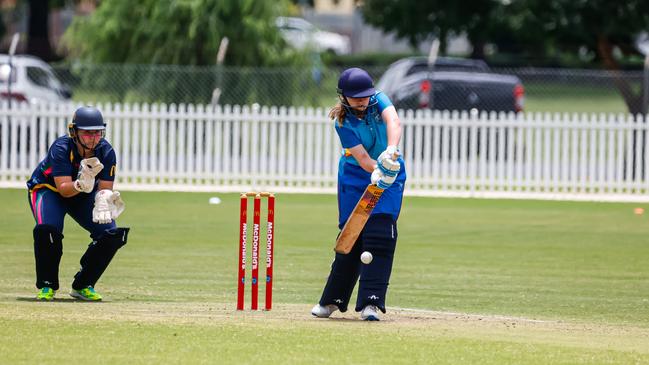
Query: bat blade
point(356, 221)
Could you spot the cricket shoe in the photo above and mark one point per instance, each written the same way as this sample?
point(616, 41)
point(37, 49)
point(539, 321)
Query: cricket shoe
point(46, 294)
point(323, 311)
point(370, 313)
point(87, 293)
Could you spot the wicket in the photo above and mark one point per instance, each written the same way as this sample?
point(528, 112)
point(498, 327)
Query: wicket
point(270, 234)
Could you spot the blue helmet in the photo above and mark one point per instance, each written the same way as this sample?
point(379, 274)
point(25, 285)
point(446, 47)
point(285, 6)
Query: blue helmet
point(355, 83)
point(88, 118)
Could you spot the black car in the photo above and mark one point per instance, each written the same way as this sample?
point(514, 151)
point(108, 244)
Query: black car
point(456, 84)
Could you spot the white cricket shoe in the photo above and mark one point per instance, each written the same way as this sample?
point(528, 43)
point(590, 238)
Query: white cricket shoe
point(323, 311)
point(370, 313)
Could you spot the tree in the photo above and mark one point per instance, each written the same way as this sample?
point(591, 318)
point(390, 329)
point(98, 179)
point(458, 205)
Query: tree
point(598, 26)
point(538, 26)
point(38, 34)
point(180, 32)
point(417, 20)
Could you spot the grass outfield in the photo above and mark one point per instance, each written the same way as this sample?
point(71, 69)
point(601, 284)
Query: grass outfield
point(474, 281)
point(574, 98)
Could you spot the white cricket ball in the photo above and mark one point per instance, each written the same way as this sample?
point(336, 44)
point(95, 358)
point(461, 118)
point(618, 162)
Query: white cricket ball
point(366, 257)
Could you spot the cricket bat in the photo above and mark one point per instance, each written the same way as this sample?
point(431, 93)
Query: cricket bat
point(357, 219)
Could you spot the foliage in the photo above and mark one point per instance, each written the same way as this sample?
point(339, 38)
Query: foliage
point(541, 28)
point(186, 32)
point(417, 20)
point(191, 84)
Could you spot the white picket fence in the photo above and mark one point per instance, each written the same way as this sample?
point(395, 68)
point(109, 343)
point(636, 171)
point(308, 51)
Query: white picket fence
point(198, 148)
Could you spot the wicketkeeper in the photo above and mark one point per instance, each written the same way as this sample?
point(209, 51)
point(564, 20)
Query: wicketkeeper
point(76, 178)
point(369, 130)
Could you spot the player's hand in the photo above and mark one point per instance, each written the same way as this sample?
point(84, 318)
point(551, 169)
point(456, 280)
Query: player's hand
point(117, 205)
point(390, 153)
point(380, 180)
point(90, 167)
point(101, 213)
point(389, 167)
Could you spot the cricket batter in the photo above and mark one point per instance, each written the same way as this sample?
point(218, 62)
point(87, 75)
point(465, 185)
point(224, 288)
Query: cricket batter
point(369, 131)
point(76, 178)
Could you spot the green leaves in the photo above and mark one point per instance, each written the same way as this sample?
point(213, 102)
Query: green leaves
point(536, 26)
point(186, 32)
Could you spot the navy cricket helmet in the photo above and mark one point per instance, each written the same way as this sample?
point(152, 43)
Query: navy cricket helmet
point(355, 83)
point(88, 118)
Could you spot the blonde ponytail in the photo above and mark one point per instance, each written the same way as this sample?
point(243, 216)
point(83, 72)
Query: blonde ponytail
point(338, 113)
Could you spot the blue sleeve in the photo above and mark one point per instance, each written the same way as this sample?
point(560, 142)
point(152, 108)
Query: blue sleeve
point(383, 101)
point(347, 137)
point(60, 159)
point(109, 161)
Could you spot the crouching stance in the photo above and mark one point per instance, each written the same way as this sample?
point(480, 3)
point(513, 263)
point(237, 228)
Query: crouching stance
point(76, 178)
point(369, 131)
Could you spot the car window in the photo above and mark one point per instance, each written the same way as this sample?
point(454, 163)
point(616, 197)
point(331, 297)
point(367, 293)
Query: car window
point(38, 76)
point(301, 24)
point(456, 67)
point(391, 76)
point(289, 27)
point(421, 67)
point(417, 67)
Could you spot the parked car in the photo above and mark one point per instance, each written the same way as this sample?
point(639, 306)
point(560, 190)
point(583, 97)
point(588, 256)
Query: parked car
point(32, 80)
point(301, 34)
point(456, 84)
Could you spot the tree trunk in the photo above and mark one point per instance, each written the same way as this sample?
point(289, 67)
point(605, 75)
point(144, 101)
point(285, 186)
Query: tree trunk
point(443, 41)
point(38, 40)
point(605, 51)
point(478, 49)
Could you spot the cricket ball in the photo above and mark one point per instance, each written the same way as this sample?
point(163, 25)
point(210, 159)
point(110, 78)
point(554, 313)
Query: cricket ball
point(366, 257)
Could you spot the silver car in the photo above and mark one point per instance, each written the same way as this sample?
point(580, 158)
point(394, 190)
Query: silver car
point(301, 34)
point(31, 80)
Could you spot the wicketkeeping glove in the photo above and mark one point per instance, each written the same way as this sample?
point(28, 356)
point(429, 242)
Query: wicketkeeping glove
point(117, 205)
point(108, 206)
point(101, 213)
point(90, 167)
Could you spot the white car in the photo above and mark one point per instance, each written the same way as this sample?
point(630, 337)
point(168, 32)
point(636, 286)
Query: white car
point(301, 34)
point(31, 80)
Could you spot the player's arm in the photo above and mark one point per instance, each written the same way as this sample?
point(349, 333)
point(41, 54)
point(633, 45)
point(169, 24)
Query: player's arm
point(85, 182)
point(393, 125)
point(364, 160)
point(105, 185)
point(65, 186)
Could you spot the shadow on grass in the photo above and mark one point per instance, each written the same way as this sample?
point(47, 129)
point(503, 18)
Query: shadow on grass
point(58, 300)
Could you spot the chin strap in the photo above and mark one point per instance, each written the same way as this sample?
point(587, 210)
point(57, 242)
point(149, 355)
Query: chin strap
point(360, 114)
